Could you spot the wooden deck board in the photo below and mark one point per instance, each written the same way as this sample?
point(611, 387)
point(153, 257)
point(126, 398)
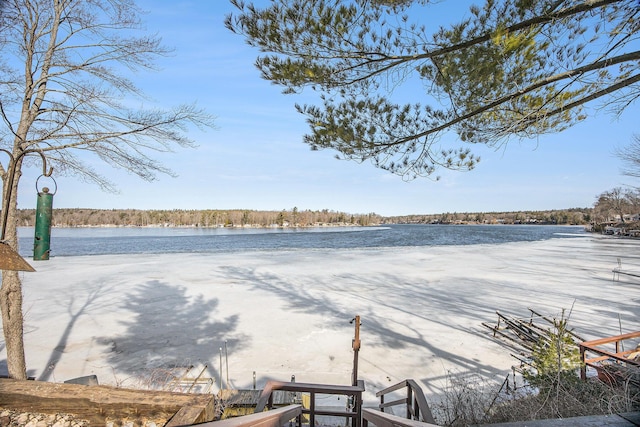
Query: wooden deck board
point(99, 403)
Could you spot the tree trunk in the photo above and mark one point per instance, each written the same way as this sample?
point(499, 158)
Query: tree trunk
point(12, 324)
point(11, 292)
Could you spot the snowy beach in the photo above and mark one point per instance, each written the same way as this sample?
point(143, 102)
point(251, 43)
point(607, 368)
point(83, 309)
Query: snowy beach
point(128, 318)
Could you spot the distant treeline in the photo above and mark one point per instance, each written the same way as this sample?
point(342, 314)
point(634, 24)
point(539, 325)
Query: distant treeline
point(198, 218)
point(574, 216)
point(289, 218)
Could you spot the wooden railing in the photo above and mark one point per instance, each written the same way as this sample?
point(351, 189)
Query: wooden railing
point(417, 407)
point(381, 419)
point(354, 393)
point(611, 356)
point(418, 411)
point(274, 418)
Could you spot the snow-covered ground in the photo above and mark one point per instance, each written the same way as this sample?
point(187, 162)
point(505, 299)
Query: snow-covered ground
point(129, 319)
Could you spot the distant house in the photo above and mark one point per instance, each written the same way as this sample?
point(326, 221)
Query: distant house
point(612, 230)
point(627, 218)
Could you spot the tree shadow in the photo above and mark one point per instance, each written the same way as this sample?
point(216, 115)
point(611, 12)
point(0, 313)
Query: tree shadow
point(386, 331)
point(459, 307)
point(4, 368)
point(169, 330)
point(59, 349)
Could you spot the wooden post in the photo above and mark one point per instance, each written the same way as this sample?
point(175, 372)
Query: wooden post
point(583, 365)
point(356, 348)
point(312, 408)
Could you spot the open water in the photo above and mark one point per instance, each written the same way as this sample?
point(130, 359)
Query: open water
point(103, 241)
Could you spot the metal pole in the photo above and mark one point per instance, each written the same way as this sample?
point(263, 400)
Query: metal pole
point(220, 368)
point(226, 360)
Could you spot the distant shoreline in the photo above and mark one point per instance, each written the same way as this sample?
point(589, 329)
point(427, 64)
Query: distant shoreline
point(239, 218)
point(308, 226)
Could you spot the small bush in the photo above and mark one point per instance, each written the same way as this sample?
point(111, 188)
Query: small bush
point(557, 355)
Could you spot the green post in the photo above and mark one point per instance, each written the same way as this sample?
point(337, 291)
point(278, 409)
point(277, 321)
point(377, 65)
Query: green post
point(44, 212)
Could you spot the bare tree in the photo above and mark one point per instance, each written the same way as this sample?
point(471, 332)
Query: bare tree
point(630, 156)
point(619, 201)
point(64, 93)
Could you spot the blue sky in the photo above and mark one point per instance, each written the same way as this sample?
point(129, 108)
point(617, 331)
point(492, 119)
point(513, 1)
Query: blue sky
point(255, 158)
